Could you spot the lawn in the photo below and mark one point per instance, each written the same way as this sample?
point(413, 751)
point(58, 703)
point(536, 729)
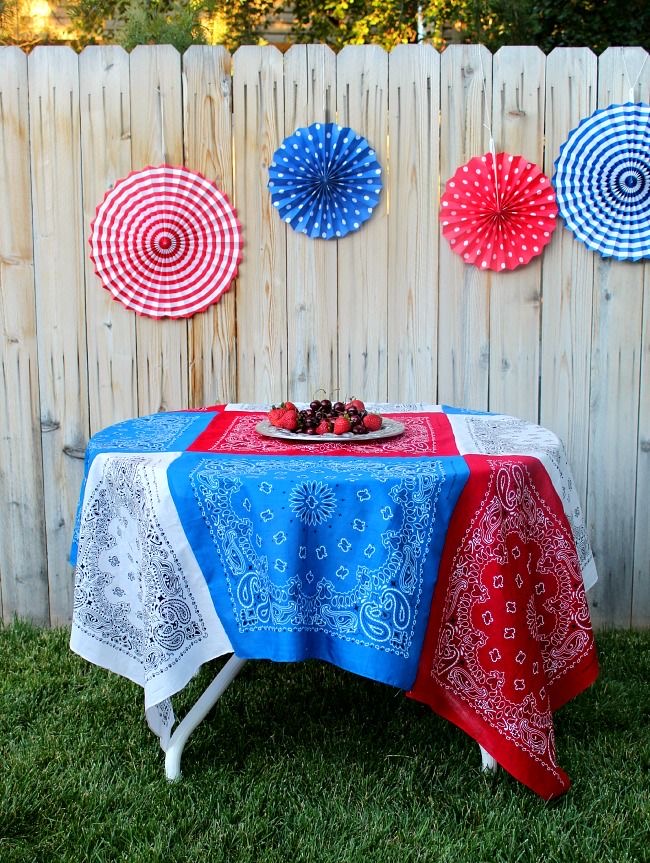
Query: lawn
point(305, 763)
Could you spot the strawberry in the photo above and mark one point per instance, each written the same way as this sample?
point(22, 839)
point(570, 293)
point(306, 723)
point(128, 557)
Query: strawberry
point(275, 415)
point(372, 422)
point(341, 425)
point(324, 427)
point(289, 420)
point(356, 403)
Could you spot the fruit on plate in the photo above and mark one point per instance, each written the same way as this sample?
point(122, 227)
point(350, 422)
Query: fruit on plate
point(341, 425)
point(324, 416)
point(372, 422)
point(285, 416)
point(289, 420)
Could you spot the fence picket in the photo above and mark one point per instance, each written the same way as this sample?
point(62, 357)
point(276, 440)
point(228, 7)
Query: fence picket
point(413, 233)
point(638, 70)
point(615, 390)
point(641, 577)
point(362, 104)
point(258, 118)
point(310, 97)
point(157, 138)
point(207, 98)
point(518, 124)
point(60, 302)
point(568, 273)
point(23, 563)
point(105, 132)
point(464, 291)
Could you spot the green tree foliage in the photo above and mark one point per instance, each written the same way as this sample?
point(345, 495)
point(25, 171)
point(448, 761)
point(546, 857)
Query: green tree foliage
point(7, 25)
point(595, 24)
point(17, 27)
point(489, 22)
point(161, 23)
point(546, 23)
point(93, 19)
point(176, 22)
point(353, 22)
point(242, 20)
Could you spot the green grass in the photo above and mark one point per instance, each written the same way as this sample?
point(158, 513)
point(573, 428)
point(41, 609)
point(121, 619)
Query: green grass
point(305, 763)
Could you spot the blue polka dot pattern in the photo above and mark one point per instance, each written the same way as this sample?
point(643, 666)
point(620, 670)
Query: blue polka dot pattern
point(325, 180)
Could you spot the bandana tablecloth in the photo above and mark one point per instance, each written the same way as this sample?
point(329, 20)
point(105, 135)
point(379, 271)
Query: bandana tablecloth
point(510, 640)
point(196, 536)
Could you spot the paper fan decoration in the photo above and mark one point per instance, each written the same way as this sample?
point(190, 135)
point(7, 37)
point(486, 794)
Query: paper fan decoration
point(165, 242)
point(325, 180)
point(498, 211)
point(602, 181)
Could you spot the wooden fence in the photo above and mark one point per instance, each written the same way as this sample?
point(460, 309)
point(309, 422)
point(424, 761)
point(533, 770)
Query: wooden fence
point(388, 313)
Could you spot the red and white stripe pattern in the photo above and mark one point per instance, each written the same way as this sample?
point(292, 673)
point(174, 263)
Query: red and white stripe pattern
point(165, 242)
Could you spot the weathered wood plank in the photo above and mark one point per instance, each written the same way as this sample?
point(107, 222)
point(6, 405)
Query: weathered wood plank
point(518, 126)
point(60, 301)
point(105, 132)
point(23, 563)
point(567, 274)
point(207, 98)
point(638, 70)
point(310, 97)
point(157, 138)
point(615, 389)
point(464, 291)
point(362, 105)
point(258, 118)
point(641, 576)
point(413, 230)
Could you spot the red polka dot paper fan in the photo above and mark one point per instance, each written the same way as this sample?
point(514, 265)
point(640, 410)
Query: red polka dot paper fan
point(498, 218)
point(165, 241)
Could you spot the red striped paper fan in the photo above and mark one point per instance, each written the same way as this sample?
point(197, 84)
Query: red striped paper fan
point(165, 242)
point(498, 211)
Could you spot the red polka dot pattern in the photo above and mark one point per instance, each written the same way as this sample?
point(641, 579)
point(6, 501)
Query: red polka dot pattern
point(498, 217)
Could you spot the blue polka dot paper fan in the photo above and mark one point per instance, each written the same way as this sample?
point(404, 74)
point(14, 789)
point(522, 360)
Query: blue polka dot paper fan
point(325, 180)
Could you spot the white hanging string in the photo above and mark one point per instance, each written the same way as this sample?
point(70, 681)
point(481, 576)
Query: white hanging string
point(488, 126)
point(631, 85)
point(163, 159)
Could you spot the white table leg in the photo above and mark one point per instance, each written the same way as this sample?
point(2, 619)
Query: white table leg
point(487, 762)
point(197, 714)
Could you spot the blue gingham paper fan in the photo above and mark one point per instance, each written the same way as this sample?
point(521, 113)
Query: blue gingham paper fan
point(325, 180)
point(602, 181)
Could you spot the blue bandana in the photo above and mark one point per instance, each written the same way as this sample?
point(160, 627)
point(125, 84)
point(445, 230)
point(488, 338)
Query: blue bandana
point(328, 558)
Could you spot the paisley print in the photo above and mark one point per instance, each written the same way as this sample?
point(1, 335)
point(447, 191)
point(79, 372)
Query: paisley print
point(294, 548)
point(511, 638)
